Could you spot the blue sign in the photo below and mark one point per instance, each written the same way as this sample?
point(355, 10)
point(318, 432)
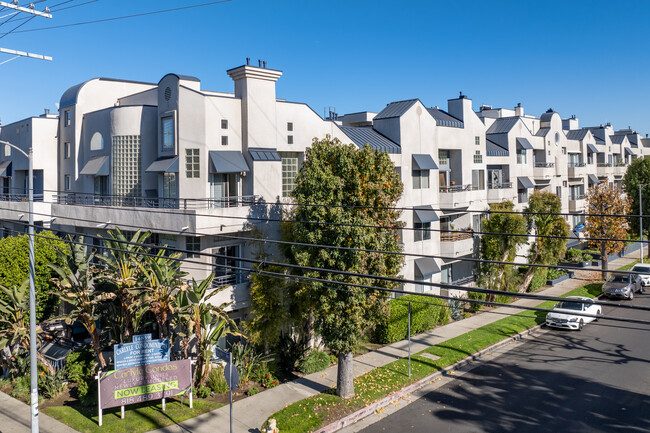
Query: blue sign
point(142, 351)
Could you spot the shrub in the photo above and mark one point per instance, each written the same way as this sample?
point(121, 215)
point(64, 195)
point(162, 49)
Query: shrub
point(333, 359)
point(246, 359)
point(290, 352)
point(254, 390)
point(80, 368)
point(539, 279)
point(22, 389)
point(426, 314)
point(259, 371)
point(216, 381)
point(51, 384)
point(587, 257)
point(555, 273)
point(317, 360)
point(456, 307)
point(269, 381)
point(474, 306)
point(203, 392)
point(573, 255)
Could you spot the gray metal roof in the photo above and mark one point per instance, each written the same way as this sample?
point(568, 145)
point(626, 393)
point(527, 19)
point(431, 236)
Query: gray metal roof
point(598, 132)
point(228, 161)
point(362, 135)
point(425, 267)
point(502, 125)
point(546, 117)
point(493, 149)
point(443, 118)
point(593, 178)
point(542, 132)
point(181, 77)
point(617, 139)
point(97, 166)
point(524, 143)
point(525, 182)
point(424, 162)
point(424, 214)
point(261, 154)
point(395, 109)
point(577, 134)
point(500, 140)
point(5, 169)
point(629, 151)
point(164, 165)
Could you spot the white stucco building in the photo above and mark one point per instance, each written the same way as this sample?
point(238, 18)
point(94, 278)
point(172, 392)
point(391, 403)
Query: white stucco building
point(203, 169)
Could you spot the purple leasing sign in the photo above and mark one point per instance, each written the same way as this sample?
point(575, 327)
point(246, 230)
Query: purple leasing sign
point(144, 383)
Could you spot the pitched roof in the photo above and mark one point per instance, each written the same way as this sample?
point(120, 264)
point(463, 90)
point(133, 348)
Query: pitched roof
point(617, 139)
point(576, 134)
point(493, 149)
point(362, 135)
point(542, 132)
point(395, 109)
point(500, 140)
point(443, 118)
point(504, 124)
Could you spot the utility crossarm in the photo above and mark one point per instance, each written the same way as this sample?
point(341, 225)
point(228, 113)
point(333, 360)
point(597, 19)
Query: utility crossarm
point(25, 54)
point(45, 14)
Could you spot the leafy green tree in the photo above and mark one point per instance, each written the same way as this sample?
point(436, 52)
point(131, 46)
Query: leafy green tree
point(500, 246)
point(638, 173)
point(14, 267)
point(353, 192)
point(604, 203)
point(76, 284)
point(543, 219)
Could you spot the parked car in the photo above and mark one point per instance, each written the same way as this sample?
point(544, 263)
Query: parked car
point(569, 315)
point(644, 273)
point(622, 286)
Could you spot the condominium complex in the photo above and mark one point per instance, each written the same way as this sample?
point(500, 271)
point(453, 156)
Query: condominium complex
point(208, 171)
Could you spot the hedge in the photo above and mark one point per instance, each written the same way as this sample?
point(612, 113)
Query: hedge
point(426, 313)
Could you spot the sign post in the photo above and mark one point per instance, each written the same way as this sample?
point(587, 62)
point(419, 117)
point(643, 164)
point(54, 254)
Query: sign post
point(409, 338)
point(231, 375)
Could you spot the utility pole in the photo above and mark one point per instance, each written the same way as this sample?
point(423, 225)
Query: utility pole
point(33, 368)
point(31, 11)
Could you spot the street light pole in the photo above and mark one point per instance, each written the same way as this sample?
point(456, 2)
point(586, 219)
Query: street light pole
point(33, 367)
point(641, 219)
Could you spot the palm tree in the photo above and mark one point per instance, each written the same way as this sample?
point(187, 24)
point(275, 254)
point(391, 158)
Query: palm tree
point(76, 283)
point(164, 277)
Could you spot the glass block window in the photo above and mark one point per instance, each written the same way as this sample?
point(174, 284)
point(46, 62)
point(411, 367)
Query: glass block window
point(289, 172)
point(168, 134)
point(478, 158)
point(193, 246)
point(126, 161)
point(192, 163)
point(477, 140)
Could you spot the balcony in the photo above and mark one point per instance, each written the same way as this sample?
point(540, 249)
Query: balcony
point(455, 195)
point(498, 192)
point(576, 203)
point(456, 243)
point(604, 169)
point(84, 199)
point(619, 168)
point(544, 170)
point(577, 169)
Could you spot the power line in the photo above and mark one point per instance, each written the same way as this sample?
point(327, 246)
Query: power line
point(124, 17)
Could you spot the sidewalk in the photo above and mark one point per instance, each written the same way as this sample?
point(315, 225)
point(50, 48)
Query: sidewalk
point(250, 413)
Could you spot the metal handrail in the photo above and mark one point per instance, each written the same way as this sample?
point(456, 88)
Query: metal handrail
point(544, 164)
point(577, 197)
point(86, 199)
point(604, 164)
point(502, 185)
point(577, 164)
point(455, 188)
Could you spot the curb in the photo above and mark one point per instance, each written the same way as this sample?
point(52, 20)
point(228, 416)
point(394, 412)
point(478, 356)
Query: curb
point(366, 411)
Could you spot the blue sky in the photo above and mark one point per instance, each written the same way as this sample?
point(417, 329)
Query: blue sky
point(587, 58)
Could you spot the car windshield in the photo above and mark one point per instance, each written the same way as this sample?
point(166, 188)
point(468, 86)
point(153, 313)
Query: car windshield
point(570, 306)
point(619, 279)
point(644, 269)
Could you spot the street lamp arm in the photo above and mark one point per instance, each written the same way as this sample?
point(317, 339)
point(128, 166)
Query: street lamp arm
point(6, 143)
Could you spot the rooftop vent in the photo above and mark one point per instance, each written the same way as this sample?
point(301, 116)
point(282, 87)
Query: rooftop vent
point(550, 110)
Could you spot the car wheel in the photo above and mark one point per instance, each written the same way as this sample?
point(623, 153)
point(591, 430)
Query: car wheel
point(597, 314)
point(631, 296)
point(581, 324)
point(641, 291)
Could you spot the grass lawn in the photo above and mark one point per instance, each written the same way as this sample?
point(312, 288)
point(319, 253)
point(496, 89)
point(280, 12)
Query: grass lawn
point(314, 412)
point(137, 418)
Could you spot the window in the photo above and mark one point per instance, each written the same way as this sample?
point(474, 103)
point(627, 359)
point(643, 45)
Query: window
point(66, 118)
point(193, 246)
point(100, 188)
point(478, 158)
point(564, 183)
point(289, 139)
point(97, 141)
point(422, 231)
point(558, 191)
point(168, 136)
point(478, 179)
point(225, 265)
point(192, 163)
point(521, 156)
point(564, 151)
point(66, 150)
point(7, 150)
point(420, 179)
point(477, 140)
point(223, 189)
point(224, 140)
point(169, 185)
point(66, 182)
point(289, 126)
point(126, 162)
point(557, 137)
point(289, 172)
point(224, 123)
point(576, 192)
point(443, 157)
point(421, 288)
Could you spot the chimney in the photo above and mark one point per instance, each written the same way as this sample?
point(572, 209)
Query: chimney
point(519, 110)
point(460, 107)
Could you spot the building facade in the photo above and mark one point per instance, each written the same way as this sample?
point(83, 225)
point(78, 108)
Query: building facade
point(208, 171)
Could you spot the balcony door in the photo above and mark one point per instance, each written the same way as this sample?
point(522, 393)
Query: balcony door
point(223, 189)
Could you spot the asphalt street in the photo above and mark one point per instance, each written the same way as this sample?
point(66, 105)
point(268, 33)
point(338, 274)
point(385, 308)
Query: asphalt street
point(594, 380)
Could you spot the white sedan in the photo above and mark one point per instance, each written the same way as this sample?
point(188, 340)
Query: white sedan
point(568, 315)
point(644, 273)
